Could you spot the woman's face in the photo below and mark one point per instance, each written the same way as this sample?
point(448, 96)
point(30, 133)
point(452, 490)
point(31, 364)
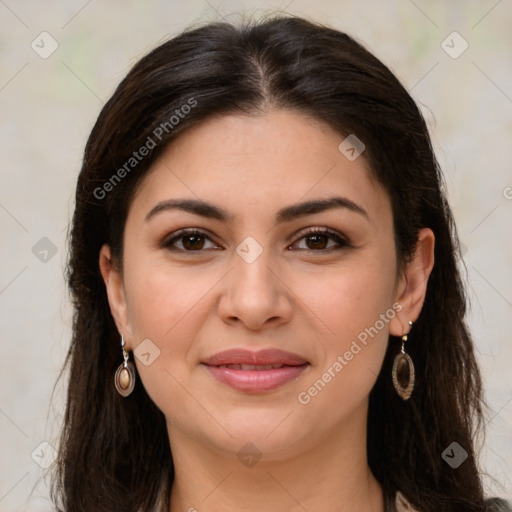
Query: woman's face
point(256, 278)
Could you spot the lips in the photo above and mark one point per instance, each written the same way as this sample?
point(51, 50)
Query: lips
point(268, 357)
point(259, 367)
point(255, 372)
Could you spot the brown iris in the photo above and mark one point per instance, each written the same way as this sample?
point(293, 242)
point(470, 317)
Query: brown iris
point(193, 241)
point(319, 238)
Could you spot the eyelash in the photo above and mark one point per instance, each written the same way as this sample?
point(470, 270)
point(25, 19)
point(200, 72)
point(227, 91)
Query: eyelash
point(333, 235)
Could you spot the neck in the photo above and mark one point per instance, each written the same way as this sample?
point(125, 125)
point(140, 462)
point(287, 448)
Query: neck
point(333, 476)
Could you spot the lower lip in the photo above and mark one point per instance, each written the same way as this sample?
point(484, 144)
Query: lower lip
point(256, 380)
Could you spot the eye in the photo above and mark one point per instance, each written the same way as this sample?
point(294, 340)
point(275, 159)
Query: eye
point(190, 239)
point(317, 240)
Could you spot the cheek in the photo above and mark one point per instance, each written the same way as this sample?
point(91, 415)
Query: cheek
point(168, 306)
point(162, 298)
point(347, 300)
point(355, 305)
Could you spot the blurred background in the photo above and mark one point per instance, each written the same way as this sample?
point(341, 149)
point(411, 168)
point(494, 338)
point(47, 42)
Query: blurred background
point(59, 63)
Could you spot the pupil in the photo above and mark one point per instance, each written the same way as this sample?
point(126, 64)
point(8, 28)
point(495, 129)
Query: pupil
point(316, 239)
point(196, 242)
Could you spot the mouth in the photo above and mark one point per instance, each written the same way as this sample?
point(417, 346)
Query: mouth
point(255, 372)
point(252, 367)
point(266, 357)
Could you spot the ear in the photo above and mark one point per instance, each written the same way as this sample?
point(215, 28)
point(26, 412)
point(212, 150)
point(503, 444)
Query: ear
point(412, 285)
point(113, 279)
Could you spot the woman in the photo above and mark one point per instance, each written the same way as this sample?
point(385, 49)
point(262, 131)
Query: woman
point(269, 313)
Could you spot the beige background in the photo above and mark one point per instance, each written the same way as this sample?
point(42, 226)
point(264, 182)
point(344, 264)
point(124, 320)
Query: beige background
point(48, 106)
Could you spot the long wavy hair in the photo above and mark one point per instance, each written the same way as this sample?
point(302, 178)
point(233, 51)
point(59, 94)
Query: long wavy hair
point(114, 452)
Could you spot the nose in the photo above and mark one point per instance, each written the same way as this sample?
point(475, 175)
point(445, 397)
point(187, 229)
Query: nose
point(256, 294)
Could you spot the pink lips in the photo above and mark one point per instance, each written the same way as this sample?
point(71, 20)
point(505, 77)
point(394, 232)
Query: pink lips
point(255, 371)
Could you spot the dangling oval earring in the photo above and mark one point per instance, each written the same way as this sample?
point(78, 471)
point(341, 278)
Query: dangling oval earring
point(403, 372)
point(124, 378)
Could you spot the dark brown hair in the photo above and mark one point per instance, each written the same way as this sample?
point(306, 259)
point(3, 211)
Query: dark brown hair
point(114, 453)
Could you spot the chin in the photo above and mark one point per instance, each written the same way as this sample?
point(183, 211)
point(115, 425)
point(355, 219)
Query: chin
point(272, 433)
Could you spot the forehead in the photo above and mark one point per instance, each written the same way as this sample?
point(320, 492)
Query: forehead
point(253, 165)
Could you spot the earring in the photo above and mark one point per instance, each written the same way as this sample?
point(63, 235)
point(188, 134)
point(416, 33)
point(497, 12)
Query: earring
point(403, 372)
point(124, 379)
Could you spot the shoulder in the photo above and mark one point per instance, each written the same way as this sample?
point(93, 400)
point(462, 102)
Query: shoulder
point(498, 505)
point(493, 504)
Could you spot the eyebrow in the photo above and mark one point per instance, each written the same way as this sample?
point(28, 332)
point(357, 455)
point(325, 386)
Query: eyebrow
point(286, 214)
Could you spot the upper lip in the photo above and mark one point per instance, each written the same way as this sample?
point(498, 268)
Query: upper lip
point(261, 357)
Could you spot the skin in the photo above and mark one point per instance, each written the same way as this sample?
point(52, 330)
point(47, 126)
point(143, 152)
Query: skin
point(306, 299)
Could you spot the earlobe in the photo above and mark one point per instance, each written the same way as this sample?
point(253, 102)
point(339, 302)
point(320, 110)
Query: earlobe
point(412, 289)
point(114, 285)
